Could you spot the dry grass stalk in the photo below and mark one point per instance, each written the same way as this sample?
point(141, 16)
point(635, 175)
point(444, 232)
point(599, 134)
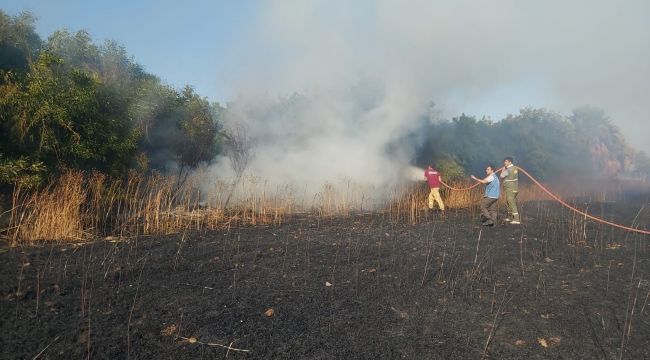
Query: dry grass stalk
point(76, 206)
point(53, 213)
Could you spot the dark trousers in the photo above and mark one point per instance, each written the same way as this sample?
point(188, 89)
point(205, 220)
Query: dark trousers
point(489, 209)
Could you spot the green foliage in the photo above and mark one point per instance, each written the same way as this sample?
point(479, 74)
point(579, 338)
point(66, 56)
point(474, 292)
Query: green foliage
point(470, 143)
point(70, 103)
point(549, 145)
point(538, 138)
point(67, 118)
point(21, 171)
point(197, 141)
point(76, 50)
point(179, 128)
point(19, 42)
point(450, 169)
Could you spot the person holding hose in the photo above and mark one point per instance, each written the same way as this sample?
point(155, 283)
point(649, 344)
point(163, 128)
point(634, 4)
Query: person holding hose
point(492, 192)
point(433, 177)
point(510, 177)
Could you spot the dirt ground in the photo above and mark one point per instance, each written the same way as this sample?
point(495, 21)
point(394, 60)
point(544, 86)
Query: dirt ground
point(359, 287)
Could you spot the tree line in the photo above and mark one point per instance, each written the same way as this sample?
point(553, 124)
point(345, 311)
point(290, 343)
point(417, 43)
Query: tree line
point(584, 144)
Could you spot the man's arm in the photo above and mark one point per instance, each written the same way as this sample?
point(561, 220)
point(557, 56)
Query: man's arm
point(482, 181)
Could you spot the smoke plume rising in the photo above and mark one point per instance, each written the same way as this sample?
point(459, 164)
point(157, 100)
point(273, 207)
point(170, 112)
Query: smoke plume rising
point(364, 73)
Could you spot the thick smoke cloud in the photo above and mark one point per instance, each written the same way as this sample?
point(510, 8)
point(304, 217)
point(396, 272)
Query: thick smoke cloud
point(366, 72)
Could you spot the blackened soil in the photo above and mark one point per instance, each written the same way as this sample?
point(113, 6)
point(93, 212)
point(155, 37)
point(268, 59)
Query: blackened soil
point(360, 287)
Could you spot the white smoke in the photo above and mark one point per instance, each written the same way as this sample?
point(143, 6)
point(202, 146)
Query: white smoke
point(365, 72)
point(326, 137)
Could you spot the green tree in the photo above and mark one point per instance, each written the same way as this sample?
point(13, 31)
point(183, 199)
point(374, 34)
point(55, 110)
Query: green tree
point(538, 139)
point(198, 141)
point(67, 118)
point(22, 171)
point(450, 169)
point(19, 42)
point(76, 50)
point(69, 102)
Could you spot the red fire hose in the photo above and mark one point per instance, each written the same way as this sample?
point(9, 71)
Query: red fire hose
point(562, 202)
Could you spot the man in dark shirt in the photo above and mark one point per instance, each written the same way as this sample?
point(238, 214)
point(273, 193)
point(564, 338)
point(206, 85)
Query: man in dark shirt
point(433, 178)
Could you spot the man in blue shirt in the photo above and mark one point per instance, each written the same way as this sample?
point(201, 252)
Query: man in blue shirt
point(489, 203)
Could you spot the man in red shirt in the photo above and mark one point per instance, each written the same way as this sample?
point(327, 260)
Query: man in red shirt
point(433, 178)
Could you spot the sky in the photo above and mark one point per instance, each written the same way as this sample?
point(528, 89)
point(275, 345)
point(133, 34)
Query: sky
point(190, 43)
point(371, 66)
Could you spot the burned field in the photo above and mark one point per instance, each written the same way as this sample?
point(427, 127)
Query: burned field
point(360, 286)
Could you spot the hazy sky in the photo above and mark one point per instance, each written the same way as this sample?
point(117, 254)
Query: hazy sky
point(479, 57)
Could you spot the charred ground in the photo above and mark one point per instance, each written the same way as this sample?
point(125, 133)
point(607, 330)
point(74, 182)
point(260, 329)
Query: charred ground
point(355, 287)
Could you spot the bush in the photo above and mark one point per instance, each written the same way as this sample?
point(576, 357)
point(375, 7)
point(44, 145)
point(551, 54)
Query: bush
point(22, 171)
point(450, 169)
